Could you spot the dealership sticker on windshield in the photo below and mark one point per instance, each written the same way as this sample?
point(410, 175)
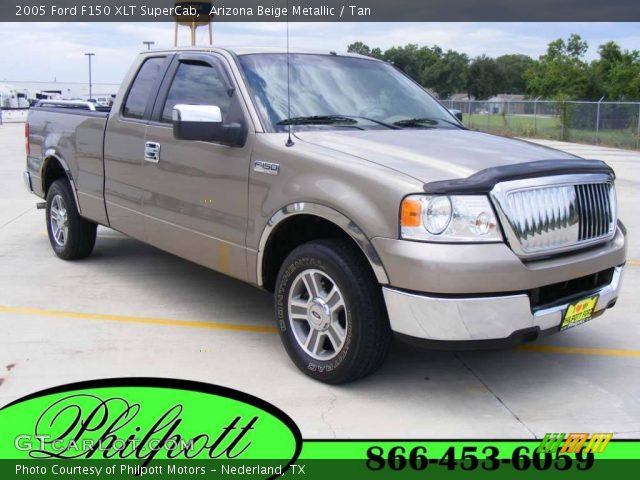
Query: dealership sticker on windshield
point(579, 312)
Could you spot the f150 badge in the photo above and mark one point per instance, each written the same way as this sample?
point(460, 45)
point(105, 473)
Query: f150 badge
point(266, 167)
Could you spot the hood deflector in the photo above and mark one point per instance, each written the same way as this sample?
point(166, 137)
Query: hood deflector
point(484, 180)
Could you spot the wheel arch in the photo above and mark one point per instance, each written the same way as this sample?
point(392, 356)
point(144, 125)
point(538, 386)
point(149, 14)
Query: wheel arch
point(340, 224)
point(54, 167)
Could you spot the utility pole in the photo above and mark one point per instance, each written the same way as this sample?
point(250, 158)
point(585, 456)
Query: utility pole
point(90, 82)
point(148, 44)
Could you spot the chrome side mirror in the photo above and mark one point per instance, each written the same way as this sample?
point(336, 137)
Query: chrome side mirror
point(204, 123)
point(196, 122)
point(456, 113)
point(197, 113)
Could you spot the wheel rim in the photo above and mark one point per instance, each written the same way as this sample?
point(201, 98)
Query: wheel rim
point(317, 314)
point(59, 220)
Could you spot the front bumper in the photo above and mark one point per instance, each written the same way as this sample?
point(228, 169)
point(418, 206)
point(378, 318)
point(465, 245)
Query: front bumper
point(486, 268)
point(473, 318)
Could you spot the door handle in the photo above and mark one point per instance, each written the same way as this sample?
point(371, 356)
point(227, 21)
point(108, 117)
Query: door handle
point(152, 152)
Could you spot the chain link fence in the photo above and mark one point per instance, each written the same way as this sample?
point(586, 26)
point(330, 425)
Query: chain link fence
point(615, 124)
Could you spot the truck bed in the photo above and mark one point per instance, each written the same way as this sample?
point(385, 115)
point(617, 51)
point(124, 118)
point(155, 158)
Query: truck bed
point(72, 105)
point(73, 136)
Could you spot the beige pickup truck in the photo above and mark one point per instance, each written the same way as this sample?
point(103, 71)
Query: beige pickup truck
point(342, 186)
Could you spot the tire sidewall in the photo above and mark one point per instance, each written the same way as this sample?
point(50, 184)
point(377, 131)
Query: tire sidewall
point(321, 259)
point(57, 188)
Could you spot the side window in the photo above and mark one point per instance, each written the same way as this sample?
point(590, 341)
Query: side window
point(141, 89)
point(197, 84)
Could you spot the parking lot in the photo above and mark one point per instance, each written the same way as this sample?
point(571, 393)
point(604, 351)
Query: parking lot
point(132, 310)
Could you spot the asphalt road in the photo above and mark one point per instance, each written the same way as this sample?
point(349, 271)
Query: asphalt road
point(132, 310)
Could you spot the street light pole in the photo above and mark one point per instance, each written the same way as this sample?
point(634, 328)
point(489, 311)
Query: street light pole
point(90, 82)
point(148, 44)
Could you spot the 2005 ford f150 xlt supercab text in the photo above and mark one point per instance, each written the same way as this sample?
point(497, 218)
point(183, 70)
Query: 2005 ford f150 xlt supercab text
point(360, 201)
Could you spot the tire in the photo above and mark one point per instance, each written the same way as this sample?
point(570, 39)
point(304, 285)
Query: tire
point(330, 312)
point(71, 236)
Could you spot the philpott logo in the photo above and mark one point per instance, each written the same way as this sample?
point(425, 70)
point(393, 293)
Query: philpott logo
point(147, 420)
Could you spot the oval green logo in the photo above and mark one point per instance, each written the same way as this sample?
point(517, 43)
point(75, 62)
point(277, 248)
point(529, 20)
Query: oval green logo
point(148, 420)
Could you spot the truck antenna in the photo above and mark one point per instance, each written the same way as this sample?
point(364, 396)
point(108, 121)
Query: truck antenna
point(289, 139)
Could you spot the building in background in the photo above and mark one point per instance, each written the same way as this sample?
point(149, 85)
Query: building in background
point(502, 103)
point(21, 94)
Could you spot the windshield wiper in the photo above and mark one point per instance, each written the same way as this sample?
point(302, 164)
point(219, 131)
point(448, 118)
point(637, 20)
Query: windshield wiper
point(424, 122)
point(373, 120)
point(319, 120)
point(347, 120)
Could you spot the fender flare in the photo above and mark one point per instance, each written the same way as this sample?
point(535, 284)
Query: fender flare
point(331, 215)
point(52, 154)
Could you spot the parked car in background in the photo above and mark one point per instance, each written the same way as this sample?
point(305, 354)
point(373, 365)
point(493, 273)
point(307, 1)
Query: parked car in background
point(104, 101)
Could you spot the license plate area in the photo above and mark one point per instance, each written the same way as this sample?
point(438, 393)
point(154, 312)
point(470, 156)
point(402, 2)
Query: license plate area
point(579, 312)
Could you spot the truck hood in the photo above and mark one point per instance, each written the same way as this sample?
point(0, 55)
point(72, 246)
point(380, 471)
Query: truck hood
point(433, 154)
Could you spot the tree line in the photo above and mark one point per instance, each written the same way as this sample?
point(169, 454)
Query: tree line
point(561, 73)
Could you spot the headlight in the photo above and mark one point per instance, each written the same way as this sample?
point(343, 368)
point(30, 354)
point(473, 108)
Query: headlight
point(454, 218)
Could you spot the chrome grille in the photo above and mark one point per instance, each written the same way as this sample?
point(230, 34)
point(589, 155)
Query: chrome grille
point(546, 215)
point(595, 210)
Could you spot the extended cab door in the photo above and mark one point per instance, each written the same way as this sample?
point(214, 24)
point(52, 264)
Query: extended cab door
point(194, 192)
point(124, 145)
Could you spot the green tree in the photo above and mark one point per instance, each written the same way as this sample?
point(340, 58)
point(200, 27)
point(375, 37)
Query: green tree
point(625, 79)
point(512, 68)
point(377, 53)
point(410, 58)
point(485, 78)
point(447, 74)
point(562, 72)
point(617, 73)
point(443, 72)
point(359, 48)
point(363, 49)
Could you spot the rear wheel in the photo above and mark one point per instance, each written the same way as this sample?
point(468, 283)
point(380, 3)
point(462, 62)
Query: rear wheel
point(330, 312)
point(71, 236)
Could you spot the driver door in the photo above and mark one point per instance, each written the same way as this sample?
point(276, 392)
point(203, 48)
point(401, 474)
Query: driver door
point(194, 192)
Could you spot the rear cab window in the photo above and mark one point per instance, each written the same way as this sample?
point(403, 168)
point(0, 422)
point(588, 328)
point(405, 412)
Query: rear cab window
point(142, 89)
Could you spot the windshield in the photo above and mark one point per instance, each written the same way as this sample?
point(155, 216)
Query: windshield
point(373, 94)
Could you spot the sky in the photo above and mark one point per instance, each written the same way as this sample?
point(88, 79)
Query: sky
point(48, 51)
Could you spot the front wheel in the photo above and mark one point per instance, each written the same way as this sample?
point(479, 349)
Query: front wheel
point(71, 236)
point(331, 313)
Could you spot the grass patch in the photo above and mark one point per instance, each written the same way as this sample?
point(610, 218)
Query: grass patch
point(550, 128)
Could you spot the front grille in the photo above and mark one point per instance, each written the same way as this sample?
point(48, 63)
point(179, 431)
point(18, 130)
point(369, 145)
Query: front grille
point(595, 210)
point(560, 213)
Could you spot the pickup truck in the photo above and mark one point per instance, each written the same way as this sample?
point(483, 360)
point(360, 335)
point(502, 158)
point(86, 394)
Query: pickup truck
point(340, 185)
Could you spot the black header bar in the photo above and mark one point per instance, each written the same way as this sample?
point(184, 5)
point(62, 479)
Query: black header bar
point(321, 10)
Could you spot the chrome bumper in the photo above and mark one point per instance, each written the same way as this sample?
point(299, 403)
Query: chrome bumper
point(477, 318)
point(26, 176)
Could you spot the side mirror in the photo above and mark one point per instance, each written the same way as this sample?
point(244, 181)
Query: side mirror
point(204, 123)
point(456, 113)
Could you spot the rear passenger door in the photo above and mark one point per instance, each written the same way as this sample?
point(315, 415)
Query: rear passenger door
point(195, 193)
point(124, 147)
